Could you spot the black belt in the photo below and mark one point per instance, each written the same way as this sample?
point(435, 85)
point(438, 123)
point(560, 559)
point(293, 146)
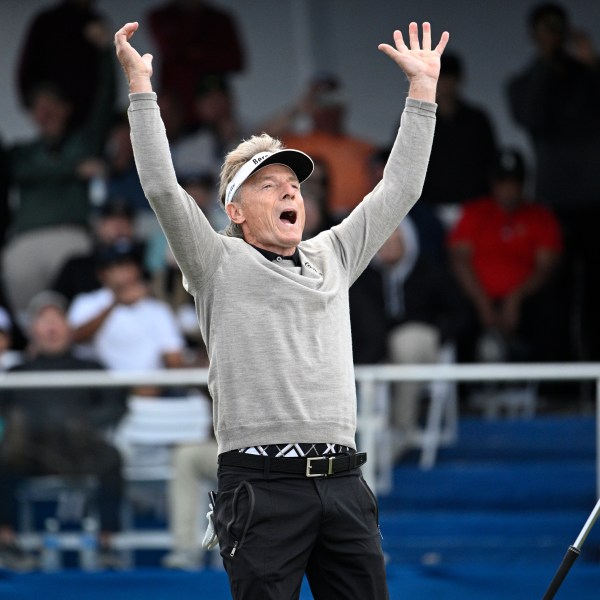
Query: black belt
point(314, 466)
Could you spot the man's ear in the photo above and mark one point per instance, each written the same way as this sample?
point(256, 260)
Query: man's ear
point(235, 212)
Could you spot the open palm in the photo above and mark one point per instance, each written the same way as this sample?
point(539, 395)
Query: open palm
point(416, 61)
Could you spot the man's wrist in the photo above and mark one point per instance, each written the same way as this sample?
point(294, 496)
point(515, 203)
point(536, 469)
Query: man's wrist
point(423, 89)
point(140, 83)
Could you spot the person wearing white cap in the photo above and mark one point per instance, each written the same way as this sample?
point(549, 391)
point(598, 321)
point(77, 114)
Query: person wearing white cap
point(273, 311)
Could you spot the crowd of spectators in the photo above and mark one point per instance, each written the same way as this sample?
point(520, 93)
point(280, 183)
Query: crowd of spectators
point(87, 279)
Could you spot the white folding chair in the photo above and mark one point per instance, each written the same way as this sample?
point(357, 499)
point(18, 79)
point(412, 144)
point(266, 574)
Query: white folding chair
point(151, 427)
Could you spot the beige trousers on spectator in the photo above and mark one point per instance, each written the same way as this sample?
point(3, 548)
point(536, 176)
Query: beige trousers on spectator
point(32, 260)
point(192, 463)
point(411, 343)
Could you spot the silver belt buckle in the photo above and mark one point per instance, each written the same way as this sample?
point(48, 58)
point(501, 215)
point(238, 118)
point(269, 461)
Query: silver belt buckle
point(313, 458)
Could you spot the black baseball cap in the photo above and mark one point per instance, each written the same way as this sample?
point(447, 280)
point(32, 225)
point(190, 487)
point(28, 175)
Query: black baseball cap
point(509, 164)
point(120, 252)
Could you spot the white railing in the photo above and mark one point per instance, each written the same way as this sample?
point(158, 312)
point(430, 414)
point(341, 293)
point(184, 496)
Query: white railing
point(367, 378)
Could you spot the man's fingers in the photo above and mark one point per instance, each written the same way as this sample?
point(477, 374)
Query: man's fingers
point(399, 40)
point(126, 32)
point(413, 33)
point(388, 50)
point(426, 36)
point(443, 41)
point(131, 28)
point(147, 58)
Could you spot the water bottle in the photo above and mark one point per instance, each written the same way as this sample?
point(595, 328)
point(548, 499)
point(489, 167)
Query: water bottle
point(51, 557)
point(88, 545)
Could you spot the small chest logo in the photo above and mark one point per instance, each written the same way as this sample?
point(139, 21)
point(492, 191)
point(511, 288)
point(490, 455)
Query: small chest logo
point(309, 266)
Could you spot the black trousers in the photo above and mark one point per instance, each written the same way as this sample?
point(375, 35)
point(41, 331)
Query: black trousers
point(273, 528)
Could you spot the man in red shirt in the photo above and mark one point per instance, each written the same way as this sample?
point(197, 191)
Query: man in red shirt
point(504, 251)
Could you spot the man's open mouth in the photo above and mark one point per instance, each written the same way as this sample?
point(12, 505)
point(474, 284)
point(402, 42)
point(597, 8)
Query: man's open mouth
point(289, 216)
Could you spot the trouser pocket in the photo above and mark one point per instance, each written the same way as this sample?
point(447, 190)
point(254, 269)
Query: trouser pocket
point(372, 499)
point(234, 514)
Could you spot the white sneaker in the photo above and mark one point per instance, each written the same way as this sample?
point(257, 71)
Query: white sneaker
point(185, 560)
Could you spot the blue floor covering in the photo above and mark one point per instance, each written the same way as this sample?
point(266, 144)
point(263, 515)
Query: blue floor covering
point(491, 521)
point(435, 582)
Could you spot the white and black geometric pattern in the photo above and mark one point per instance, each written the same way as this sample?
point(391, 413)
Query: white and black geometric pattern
point(297, 450)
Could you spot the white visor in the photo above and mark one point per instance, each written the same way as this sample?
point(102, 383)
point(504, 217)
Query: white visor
point(297, 161)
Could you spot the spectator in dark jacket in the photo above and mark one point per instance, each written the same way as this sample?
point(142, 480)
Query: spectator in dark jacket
point(57, 431)
point(403, 308)
point(60, 48)
point(194, 38)
point(464, 145)
point(556, 100)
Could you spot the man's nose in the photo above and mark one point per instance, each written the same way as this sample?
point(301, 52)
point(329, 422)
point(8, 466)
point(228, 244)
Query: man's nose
point(289, 191)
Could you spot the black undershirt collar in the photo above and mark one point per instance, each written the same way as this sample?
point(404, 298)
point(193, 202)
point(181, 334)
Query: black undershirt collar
point(273, 256)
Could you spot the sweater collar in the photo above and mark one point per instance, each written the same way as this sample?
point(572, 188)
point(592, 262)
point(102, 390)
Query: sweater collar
point(272, 256)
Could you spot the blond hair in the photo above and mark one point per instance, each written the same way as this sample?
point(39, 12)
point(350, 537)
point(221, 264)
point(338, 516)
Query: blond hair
point(234, 160)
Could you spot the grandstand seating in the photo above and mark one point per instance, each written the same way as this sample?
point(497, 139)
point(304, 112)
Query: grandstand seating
point(491, 520)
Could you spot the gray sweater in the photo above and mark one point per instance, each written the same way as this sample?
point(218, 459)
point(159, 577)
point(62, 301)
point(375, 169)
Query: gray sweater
point(279, 344)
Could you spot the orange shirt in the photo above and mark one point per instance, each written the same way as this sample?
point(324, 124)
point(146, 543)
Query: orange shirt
point(347, 162)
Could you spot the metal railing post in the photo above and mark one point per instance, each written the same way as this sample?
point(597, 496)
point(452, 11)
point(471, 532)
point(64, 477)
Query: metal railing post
point(366, 423)
point(598, 438)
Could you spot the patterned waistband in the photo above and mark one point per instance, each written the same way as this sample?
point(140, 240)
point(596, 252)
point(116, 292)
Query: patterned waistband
point(297, 450)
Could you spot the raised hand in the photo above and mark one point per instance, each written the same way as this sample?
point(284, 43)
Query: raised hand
point(138, 69)
point(420, 64)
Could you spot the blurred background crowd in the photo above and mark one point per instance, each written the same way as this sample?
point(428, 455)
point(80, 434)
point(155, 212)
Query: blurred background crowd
point(497, 262)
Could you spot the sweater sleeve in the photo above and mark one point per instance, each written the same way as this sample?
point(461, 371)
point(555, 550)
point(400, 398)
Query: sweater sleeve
point(365, 230)
point(196, 246)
